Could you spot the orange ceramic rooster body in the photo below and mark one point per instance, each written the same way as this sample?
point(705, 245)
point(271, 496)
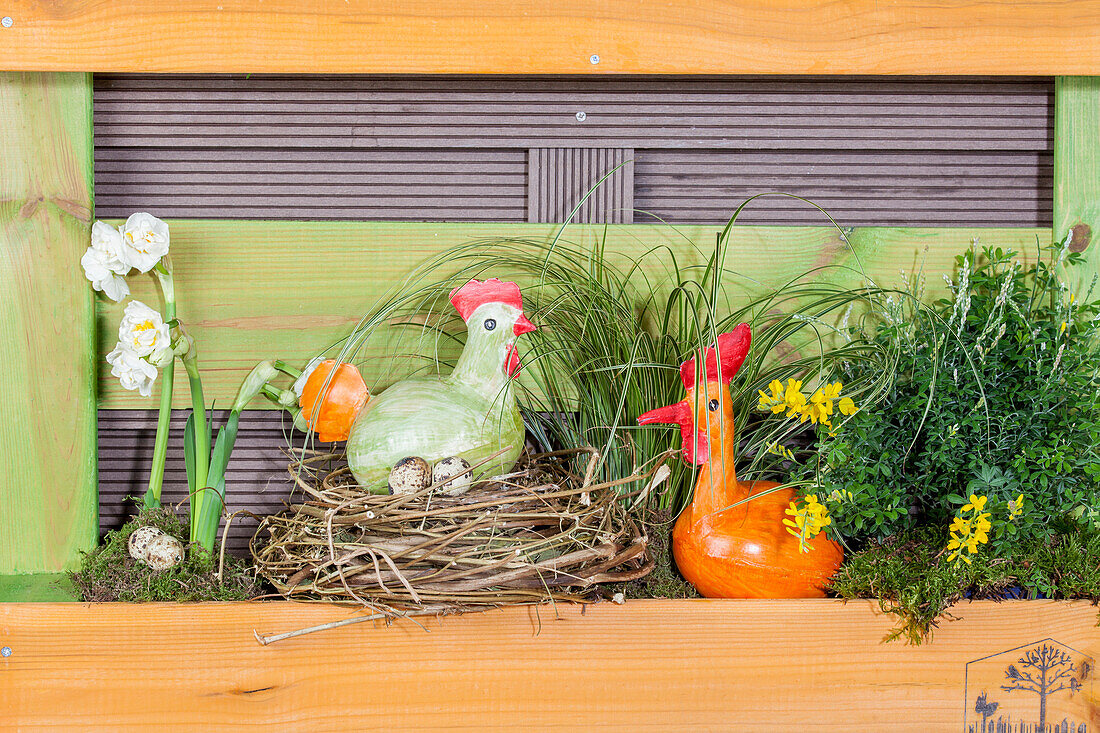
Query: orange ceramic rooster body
point(739, 551)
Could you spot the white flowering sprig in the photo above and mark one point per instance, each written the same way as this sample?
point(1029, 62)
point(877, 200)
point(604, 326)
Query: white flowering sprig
point(146, 342)
point(149, 342)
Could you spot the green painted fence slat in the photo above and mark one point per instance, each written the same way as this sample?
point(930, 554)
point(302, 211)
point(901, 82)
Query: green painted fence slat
point(38, 588)
point(47, 391)
point(1077, 165)
point(251, 290)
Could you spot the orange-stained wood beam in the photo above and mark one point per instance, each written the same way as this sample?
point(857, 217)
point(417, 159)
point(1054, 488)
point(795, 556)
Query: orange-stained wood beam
point(644, 666)
point(1043, 37)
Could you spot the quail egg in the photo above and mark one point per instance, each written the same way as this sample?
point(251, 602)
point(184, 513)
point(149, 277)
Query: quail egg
point(164, 552)
point(452, 476)
point(410, 475)
point(140, 539)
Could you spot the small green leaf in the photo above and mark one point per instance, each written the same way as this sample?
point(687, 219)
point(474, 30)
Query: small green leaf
point(223, 448)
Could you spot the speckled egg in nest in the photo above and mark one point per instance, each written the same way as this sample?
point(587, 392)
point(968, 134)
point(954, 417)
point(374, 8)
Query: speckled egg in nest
point(410, 475)
point(140, 538)
point(452, 476)
point(164, 552)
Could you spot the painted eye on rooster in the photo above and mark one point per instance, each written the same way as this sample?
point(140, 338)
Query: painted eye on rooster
point(713, 405)
point(490, 324)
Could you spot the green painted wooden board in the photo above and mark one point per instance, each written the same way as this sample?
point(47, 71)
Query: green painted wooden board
point(250, 290)
point(38, 588)
point(47, 356)
point(1077, 166)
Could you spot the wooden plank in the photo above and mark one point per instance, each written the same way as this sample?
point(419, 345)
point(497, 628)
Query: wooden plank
point(251, 290)
point(647, 665)
point(1077, 167)
point(1039, 37)
point(38, 588)
point(47, 395)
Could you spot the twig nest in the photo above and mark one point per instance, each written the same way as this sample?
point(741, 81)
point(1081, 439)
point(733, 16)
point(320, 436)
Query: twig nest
point(164, 552)
point(525, 539)
point(139, 541)
point(410, 475)
point(452, 476)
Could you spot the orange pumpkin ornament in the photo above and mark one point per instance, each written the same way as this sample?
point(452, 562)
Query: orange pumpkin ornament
point(739, 551)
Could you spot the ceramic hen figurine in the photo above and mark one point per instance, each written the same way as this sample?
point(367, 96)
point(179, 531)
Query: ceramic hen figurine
point(471, 413)
point(743, 551)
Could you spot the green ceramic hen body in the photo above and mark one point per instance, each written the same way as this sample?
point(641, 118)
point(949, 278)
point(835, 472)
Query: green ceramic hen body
point(471, 413)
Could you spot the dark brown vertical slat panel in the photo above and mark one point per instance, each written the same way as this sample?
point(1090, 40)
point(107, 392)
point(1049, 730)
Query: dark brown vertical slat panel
point(503, 112)
point(558, 178)
point(902, 189)
point(454, 148)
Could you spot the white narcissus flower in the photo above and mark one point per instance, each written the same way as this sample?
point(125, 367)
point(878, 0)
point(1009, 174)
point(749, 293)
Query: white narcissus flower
point(143, 331)
point(146, 240)
point(133, 371)
point(103, 280)
point(104, 262)
point(107, 240)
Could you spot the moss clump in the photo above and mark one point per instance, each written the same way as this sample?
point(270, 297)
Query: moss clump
point(912, 579)
point(108, 573)
point(665, 581)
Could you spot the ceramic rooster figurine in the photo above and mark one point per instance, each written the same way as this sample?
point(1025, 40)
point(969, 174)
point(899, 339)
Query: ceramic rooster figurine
point(471, 413)
point(743, 551)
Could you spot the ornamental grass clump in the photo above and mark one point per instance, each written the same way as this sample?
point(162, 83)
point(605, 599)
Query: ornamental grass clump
point(614, 329)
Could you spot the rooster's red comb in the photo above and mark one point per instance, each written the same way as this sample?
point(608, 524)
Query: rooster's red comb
point(475, 293)
point(733, 347)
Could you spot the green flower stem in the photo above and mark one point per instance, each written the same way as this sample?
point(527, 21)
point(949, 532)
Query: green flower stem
point(202, 434)
point(164, 415)
point(287, 369)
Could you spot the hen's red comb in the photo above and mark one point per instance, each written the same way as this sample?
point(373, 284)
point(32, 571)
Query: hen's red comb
point(469, 297)
point(733, 347)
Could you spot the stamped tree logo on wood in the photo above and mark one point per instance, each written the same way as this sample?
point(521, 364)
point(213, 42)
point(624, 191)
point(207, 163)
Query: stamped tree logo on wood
point(1029, 689)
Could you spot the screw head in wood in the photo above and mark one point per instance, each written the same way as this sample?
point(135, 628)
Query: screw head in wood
point(5, 652)
point(581, 117)
point(6, 21)
point(594, 59)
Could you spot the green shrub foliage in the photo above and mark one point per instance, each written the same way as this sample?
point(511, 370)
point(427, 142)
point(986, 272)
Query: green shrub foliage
point(996, 394)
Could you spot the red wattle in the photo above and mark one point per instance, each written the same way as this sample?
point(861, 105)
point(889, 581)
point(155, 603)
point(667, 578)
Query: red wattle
point(511, 364)
point(695, 451)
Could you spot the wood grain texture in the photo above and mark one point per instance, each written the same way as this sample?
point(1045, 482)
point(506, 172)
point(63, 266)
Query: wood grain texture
point(253, 290)
point(47, 396)
point(1077, 168)
point(645, 666)
point(1040, 37)
point(37, 588)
